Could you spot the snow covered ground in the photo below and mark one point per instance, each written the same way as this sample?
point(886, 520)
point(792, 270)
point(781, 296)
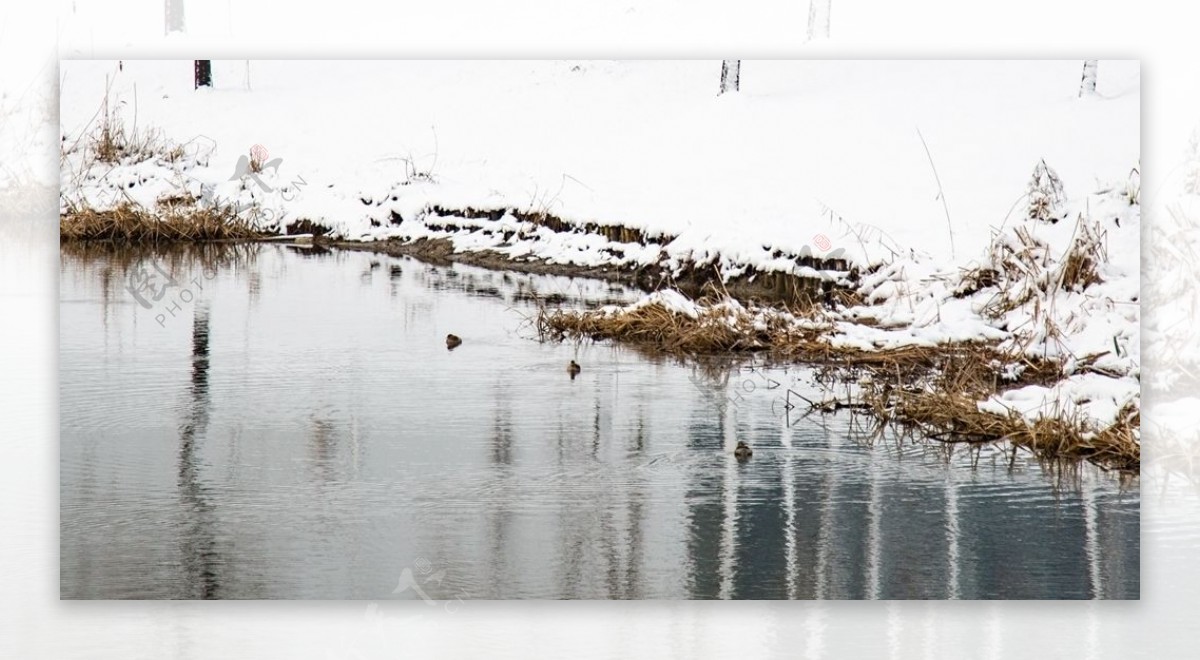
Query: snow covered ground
point(862, 159)
point(646, 144)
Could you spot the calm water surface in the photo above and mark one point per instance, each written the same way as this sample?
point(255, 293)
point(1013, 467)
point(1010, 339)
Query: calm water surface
point(293, 427)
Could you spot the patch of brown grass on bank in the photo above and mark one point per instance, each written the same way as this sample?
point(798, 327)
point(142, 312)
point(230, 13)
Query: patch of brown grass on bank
point(942, 403)
point(934, 390)
point(721, 326)
point(955, 418)
point(130, 223)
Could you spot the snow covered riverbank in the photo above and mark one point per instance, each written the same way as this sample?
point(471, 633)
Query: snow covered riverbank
point(906, 183)
point(645, 145)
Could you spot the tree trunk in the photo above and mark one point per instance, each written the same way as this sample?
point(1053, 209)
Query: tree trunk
point(818, 19)
point(730, 75)
point(1087, 86)
point(173, 16)
point(203, 73)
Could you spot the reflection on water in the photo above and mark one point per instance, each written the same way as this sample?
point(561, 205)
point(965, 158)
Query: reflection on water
point(198, 545)
point(295, 428)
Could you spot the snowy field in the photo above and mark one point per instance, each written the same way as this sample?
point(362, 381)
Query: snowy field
point(645, 144)
point(910, 167)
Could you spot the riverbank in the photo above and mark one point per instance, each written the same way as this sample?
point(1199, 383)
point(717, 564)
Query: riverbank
point(1001, 224)
point(971, 392)
point(974, 386)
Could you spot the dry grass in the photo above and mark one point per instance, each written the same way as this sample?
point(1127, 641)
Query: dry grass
point(942, 404)
point(109, 140)
point(130, 223)
point(1045, 193)
point(1022, 270)
point(257, 160)
point(113, 141)
point(931, 389)
point(955, 417)
point(722, 326)
point(1080, 267)
point(1014, 269)
point(106, 142)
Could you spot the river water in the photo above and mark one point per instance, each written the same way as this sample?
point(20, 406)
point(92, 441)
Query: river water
point(270, 421)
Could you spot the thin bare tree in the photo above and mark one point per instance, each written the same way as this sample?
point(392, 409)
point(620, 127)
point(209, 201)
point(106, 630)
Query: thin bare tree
point(172, 16)
point(731, 71)
point(1087, 85)
point(818, 19)
point(203, 73)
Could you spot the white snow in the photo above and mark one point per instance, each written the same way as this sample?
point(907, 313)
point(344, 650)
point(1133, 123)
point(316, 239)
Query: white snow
point(805, 148)
point(668, 299)
point(1098, 398)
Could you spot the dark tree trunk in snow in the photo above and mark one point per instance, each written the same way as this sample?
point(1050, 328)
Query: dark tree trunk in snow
point(730, 73)
point(1087, 86)
point(173, 15)
point(203, 73)
point(818, 19)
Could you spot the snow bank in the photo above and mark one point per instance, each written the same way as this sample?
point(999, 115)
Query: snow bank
point(815, 156)
point(1096, 398)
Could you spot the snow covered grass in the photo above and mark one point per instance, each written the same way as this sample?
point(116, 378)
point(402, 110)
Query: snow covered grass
point(1057, 287)
point(956, 392)
point(944, 414)
point(669, 321)
point(973, 396)
point(1035, 344)
point(114, 158)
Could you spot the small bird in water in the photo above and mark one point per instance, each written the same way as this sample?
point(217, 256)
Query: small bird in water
point(452, 341)
point(573, 369)
point(743, 451)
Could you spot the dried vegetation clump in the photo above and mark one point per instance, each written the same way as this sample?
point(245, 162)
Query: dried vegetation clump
point(130, 223)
